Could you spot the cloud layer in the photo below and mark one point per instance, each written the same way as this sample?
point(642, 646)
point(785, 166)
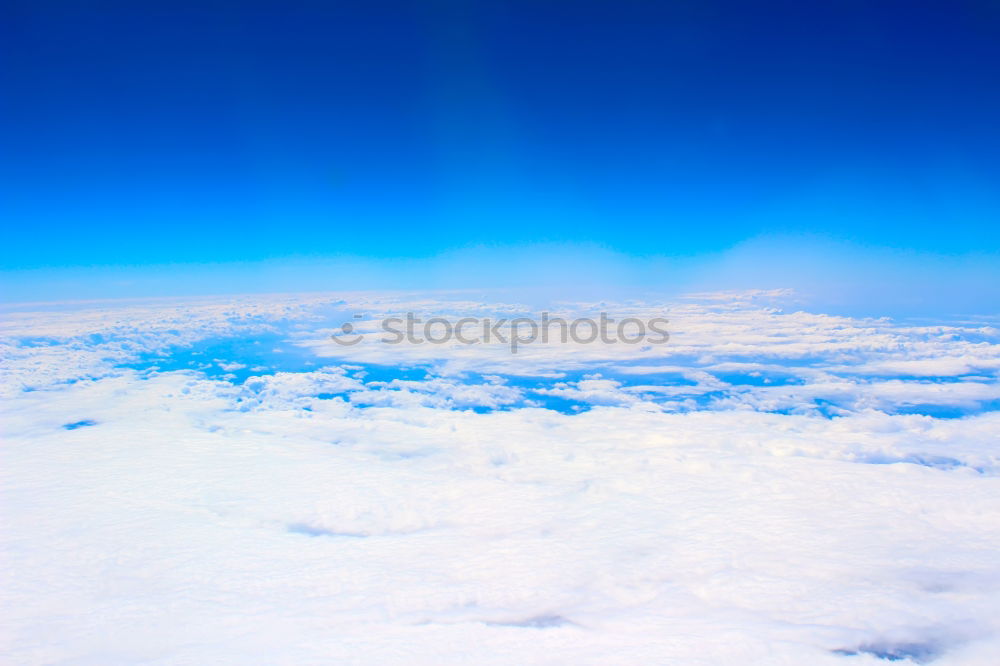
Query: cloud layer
point(190, 482)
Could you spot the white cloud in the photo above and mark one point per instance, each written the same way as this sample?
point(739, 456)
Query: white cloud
point(333, 514)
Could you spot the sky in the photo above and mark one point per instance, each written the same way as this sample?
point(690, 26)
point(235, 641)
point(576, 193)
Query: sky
point(807, 191)
point(164, 138)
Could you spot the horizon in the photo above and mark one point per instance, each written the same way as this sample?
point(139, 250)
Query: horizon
point(409, 133)
point(507, 333)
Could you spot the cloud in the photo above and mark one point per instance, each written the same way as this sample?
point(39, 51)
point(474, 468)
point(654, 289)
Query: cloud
point(439, 505)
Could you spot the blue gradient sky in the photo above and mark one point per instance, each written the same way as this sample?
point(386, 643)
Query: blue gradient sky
point(144, 134)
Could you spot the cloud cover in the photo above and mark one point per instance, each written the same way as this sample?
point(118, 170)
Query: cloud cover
point(771, 487)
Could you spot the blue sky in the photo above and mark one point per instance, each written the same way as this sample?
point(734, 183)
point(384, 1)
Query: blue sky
point(187, 134)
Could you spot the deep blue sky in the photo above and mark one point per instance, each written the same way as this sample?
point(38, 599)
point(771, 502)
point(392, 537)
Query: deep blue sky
point(145, 132)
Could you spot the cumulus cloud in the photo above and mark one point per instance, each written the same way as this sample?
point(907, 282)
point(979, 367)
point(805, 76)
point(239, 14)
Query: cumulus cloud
point(769, 487)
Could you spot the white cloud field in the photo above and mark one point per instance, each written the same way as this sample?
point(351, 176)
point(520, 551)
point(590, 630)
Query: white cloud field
point(214, 481)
